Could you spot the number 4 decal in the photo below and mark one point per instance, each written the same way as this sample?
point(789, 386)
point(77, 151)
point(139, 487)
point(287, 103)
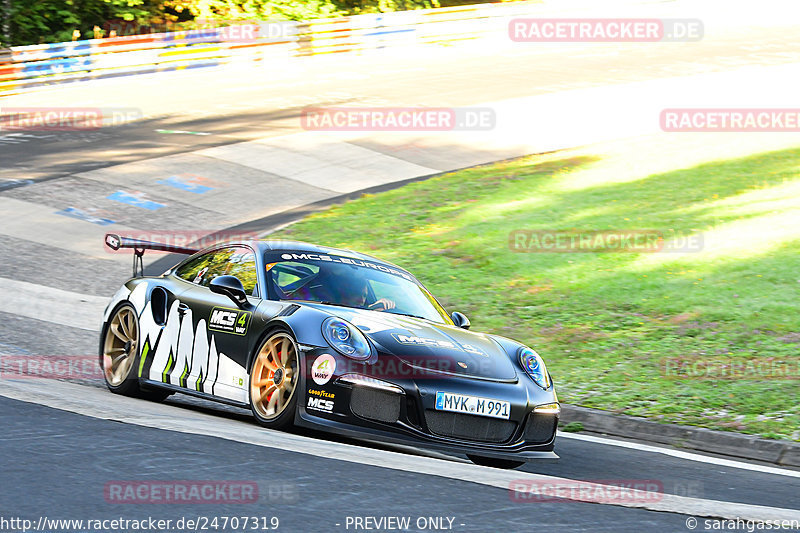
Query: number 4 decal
point(229, 320)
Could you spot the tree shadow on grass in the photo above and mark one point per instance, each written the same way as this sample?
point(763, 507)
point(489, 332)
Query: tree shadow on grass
point(657, 202)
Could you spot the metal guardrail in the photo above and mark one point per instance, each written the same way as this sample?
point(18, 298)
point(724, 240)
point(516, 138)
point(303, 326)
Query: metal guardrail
point(26, 67)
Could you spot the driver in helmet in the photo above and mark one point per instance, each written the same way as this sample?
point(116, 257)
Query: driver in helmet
point(351, 289)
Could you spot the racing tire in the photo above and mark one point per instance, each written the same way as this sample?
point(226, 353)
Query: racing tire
point(273, 380)
point(119, 355)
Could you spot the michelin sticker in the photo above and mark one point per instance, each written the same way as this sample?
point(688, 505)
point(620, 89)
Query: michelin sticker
point(322, 369)
point(229, 320)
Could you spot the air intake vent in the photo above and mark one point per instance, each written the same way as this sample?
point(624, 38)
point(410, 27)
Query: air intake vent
point(469, 427)
point(540, 428)
point(374, 404)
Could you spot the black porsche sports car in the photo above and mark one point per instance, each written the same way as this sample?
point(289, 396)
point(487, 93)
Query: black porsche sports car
point(328, 339)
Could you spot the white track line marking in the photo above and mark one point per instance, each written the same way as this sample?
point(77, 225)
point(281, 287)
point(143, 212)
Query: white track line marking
point(101, 404)
point(679, 454)
point(52, 305)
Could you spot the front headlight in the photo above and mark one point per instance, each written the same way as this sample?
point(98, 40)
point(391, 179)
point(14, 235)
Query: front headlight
point(534, 367)
point(345, 338)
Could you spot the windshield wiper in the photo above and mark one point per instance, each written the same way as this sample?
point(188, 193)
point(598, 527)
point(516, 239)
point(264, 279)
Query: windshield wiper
point(334, 303)
point(315, 302)
point(407, 314)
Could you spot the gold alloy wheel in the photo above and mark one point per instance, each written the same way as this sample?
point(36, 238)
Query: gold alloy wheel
point(274, 376)
point(120, 346)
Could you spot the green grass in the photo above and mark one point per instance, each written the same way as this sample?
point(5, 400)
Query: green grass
point(572, 427)
point(605, 322)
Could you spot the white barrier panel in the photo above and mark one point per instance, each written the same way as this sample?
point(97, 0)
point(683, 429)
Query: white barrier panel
point(31, 66)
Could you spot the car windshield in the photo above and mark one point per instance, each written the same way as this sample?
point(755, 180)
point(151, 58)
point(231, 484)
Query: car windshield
point(350, 282)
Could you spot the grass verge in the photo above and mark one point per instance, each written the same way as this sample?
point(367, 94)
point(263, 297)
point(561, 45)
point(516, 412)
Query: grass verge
point(708, 338)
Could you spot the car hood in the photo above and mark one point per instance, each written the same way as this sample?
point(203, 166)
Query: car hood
point(427, 345)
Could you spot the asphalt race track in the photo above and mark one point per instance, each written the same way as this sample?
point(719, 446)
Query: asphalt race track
point(63, 443)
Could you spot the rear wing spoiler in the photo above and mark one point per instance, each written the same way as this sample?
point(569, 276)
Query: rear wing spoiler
point(115, 242)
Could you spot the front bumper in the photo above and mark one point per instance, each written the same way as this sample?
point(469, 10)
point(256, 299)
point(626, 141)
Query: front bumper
point(356, 401)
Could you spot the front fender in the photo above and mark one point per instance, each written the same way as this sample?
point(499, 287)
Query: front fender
point(304, 323)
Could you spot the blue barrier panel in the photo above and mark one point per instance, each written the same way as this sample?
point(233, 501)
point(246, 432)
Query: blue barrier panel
point(48, 51)
point(56, 66)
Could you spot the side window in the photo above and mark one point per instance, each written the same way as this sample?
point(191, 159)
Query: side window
point(233, 261)
point(292, 280)
point(195, 269)
point(242, 264)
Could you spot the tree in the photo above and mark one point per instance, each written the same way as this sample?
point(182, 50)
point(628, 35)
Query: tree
point(38, 21)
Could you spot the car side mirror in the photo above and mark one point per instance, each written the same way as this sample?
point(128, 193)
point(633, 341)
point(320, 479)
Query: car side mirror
point(231, 287)
point(460, 319)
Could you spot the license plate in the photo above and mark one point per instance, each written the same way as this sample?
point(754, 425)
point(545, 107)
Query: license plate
point(472, 405)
